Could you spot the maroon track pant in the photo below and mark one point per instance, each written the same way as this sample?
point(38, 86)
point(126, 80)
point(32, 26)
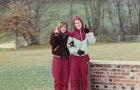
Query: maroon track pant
point(60, 71)
point(79, 72)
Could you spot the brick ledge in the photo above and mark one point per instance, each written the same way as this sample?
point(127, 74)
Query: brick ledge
point(115, 62)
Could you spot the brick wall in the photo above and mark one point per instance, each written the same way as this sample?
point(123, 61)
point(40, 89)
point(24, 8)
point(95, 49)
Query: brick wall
point(114, 75)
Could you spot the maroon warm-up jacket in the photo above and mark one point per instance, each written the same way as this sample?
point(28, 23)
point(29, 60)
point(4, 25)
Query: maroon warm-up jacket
point(58, 42)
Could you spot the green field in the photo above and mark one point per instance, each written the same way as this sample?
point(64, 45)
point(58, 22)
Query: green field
point(30, 68)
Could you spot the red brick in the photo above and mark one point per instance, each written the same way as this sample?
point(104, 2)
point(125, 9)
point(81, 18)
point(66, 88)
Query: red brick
point(96, 82)
point(103, 83)
point(134, 66)
point(94, 89)
point(125, 80)
point(99, 73)
point(124, 73)
point(97, 79)
point(134, 81)
point(122, 77)
point(116, 80)
point(107, 66)
point(112, 83)
point(93, 85)
point(129, 84)
point(99, 65)
point(133, 84)
point(120, 70)
point(103, 69)
point(137, 70)
point(95, 75)
point(116, 73)
point(109, 73)
point(93, 79)
point(120, 84)
point(102, 76)
point(92, 65)
point(111, 76)
point(92, 76)
point(96, 69)
point(125, 66)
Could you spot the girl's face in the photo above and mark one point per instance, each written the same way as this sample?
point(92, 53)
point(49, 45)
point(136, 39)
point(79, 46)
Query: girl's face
point(78, 24)
point(63, 29)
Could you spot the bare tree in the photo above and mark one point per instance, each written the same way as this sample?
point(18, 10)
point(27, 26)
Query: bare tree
point(103, 10)
point(136, 4)
point(17, 21)
point(98, 18)
point(93, 15)
point(87, 14)
point(110, 13)
point(139, 15)
point(117, 4)
point(129, 5)
point(71, 12)
point(40, 8)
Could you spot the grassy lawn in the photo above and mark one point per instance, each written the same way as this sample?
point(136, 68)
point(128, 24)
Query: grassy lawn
point(26, 69)
point(30, 68)
point(116, 51)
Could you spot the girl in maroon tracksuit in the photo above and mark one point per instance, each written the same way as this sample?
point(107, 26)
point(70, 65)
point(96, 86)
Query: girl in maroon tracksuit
point(60, 63)
point(79, 53)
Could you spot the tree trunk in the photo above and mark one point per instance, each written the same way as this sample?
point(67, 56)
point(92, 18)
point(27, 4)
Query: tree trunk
point(98, 19)
point(24, 36)
point(139, 18)
point(138, 13)
point(71, 12)
point(130, 16)
point(122, 32)
point(92, 16)
point(87, 15)
point(102, 20)
point(16, 38)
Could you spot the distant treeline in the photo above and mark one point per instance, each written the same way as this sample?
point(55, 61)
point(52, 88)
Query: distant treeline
point(34, 20)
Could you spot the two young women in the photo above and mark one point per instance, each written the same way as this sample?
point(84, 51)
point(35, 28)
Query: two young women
point(70, 55)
